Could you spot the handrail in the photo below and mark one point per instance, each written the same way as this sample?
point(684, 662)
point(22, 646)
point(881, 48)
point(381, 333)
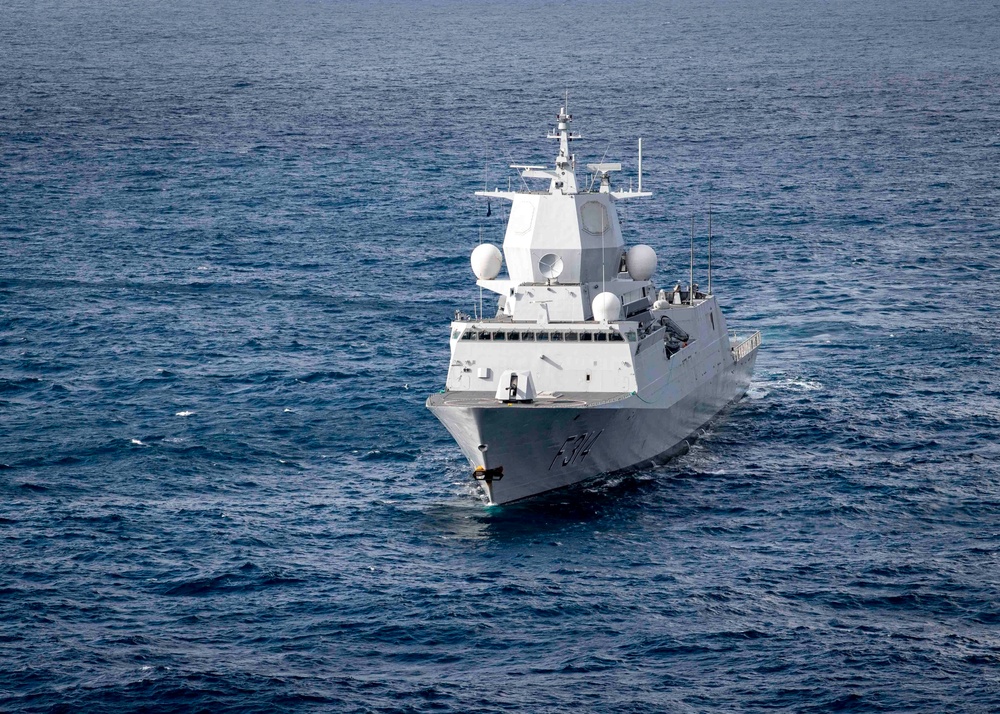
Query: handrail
point(746, 346)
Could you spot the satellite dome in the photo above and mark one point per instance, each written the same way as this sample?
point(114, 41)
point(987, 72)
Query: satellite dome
point(486, 261)
point(640, 262)
point(606, 307)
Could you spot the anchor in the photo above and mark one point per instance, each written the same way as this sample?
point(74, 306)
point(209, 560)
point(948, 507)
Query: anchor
point(488, 475)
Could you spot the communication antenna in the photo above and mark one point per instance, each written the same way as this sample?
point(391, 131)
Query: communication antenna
point(481, 315)
point(691, 276)
point(604, 258)
point(710, 241)
point(640, 164)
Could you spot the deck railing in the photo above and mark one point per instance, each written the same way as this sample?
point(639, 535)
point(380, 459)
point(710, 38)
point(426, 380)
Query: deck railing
point(745, 347)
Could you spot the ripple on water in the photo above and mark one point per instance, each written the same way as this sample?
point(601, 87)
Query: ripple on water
point(225, 295)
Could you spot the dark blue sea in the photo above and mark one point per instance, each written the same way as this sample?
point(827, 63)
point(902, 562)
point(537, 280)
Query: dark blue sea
point(232, 235)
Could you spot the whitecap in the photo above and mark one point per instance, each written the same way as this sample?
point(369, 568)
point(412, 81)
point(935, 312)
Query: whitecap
point(137, 442)
point(184, 414)
point(792, 385)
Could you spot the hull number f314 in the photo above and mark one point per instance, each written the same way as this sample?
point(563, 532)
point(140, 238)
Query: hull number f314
point(575, 449)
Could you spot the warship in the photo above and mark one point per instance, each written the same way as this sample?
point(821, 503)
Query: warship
point(586, 368)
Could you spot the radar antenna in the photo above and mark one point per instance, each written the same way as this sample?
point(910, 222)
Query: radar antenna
point(603, 172)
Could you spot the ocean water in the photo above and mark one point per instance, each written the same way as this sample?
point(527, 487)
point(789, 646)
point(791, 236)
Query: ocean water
point(232, 235)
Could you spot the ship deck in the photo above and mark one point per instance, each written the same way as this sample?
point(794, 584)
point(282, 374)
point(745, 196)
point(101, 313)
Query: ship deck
point(557, 400)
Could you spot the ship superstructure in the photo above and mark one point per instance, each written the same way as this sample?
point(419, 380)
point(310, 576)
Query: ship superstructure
point(586, 367)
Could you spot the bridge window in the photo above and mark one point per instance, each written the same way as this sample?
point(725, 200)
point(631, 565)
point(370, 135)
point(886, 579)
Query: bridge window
point(532, 336)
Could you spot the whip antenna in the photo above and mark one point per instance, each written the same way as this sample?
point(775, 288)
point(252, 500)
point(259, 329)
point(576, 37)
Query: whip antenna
point(640, 164)
point(710, 243)
point(691, 276)
point(481, 315)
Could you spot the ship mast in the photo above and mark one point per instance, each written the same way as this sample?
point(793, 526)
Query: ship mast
point(565, 162)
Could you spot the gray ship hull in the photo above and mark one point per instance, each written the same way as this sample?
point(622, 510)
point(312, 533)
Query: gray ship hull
point(522, 450)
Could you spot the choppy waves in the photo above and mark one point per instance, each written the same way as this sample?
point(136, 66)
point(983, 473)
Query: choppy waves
point(232, 241)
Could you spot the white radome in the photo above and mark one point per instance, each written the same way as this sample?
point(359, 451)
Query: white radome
point(607, 307)
point(640, 262)
point(486, 261)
